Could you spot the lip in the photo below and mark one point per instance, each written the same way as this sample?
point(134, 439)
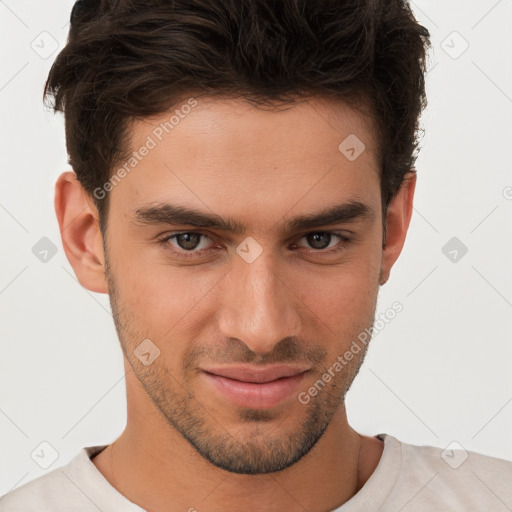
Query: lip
point(255, 387)
point(256, 374)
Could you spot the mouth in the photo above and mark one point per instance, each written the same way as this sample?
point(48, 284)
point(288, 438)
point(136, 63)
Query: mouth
point(253, 387)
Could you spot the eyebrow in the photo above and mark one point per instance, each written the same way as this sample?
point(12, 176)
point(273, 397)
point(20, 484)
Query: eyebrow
point(184, 216)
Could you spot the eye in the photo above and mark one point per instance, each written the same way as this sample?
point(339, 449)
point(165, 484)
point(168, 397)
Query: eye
point(188, 242)
point(322, 240)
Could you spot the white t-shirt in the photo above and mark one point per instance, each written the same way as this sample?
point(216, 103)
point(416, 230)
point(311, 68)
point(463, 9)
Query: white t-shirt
point(408, 478)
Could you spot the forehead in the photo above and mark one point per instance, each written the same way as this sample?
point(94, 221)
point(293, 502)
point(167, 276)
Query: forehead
point(226, 154)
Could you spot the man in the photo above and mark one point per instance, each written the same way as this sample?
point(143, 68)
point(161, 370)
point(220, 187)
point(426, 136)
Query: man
point(243, 184)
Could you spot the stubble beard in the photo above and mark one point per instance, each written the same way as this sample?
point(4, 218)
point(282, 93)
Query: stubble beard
point(262, 448)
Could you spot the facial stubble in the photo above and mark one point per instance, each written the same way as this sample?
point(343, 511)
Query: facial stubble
point(262, 448)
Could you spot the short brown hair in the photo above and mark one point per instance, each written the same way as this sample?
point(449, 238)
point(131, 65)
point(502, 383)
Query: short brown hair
point(130, 59)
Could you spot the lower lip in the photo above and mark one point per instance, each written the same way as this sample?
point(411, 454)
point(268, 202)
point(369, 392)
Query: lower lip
point(256, 395)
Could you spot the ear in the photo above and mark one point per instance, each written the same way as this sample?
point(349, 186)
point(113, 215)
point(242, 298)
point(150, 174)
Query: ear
point(398, 218)
point(80, 232)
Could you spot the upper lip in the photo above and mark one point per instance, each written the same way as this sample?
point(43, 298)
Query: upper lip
point(256, 374)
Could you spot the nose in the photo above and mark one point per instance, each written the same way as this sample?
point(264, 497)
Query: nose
point(258, 306)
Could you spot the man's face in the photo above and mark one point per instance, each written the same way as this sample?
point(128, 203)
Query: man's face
point(246, 320)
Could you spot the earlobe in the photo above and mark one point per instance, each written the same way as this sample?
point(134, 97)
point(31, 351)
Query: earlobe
point(80, 233)
point(399, 215)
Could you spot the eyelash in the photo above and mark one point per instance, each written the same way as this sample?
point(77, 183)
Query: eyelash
point(194, 253)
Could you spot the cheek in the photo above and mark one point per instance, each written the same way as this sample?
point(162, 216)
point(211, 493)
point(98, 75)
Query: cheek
point(345, 295)
point(160, 296)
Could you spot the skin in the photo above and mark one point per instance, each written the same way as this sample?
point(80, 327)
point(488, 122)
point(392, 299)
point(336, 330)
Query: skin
point(185, 446)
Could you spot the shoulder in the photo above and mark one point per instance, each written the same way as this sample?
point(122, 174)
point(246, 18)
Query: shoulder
point(454, 459)
point(454, 476)
point(44, 493)
point(55, 491)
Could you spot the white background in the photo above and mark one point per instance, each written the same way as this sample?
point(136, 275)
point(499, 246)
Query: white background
point(439, 372)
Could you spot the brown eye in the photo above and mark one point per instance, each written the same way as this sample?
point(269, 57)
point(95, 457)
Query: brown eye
point(187, 244)
point(188, 241)
point(322, 240)
point(319, 240)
